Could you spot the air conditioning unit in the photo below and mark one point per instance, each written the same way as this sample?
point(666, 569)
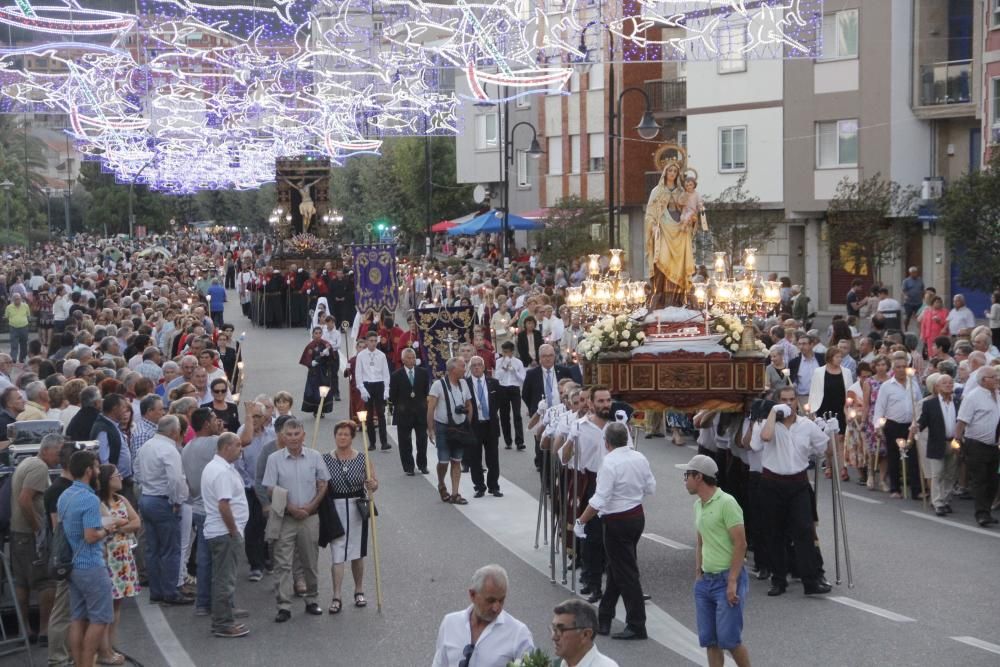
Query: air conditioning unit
point(932, 188)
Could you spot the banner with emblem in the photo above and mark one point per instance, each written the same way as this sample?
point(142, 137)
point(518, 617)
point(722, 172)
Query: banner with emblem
point(375, 284)
point(442, 330)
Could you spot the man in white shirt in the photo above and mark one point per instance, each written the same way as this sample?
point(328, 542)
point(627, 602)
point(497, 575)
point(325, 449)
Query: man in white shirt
point(371, 375)
point(226, 516)
point(574, 626)
point(510, 372)
point(624, 479)
point(960, 317)
point(483, 634)
point(898, 400)
point(977, 429)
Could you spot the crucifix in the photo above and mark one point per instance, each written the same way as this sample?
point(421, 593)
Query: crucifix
point(451, 340)
point(306, 207)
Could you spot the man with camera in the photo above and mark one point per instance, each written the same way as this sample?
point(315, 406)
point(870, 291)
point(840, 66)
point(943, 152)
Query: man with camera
point(448, 407)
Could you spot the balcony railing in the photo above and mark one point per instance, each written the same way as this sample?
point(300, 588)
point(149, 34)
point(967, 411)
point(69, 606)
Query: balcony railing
point(946, 83)
point(667, 96)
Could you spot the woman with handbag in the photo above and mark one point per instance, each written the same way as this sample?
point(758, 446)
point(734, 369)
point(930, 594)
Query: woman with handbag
point(348, 492)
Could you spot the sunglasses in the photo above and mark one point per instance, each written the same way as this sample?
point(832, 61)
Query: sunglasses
point(467, 655)
point(218, 391)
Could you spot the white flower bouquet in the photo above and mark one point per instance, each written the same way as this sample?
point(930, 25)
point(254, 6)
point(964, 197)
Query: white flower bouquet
point(610, 334)
point(536, 658)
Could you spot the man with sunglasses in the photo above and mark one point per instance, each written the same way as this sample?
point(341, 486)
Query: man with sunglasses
point(574, 626)
point(483, 634)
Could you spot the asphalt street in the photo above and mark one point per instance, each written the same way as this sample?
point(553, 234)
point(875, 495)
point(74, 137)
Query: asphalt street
point(924, 591)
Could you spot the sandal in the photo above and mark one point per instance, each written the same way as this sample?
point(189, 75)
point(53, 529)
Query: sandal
point(457, 499)
point(115, 659)
point(443, 491)
point(359, 600)
point(844, 475)
point(335, 606)
point(827, 473)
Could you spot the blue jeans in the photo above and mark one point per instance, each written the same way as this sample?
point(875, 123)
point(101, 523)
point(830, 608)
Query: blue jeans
point(203, 557)
point(719, 625)
point(163, 546)
point(18, 344)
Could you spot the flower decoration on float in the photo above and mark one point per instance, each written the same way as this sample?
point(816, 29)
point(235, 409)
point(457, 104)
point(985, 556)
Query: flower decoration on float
point(306, 243)
point(613, 333)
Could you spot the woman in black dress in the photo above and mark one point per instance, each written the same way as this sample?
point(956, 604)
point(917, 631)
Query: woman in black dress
point(828, 396)
point(227, 411)
point(318, 358)
point(529, 340)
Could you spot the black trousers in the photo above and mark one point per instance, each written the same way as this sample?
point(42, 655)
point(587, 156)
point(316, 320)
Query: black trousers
point(752, 516)
point(376, 405)
point(510, 406)
point(592, 554)
point(788, 516)
point(893, 431)
point(487, 443)
point(621, 536)
point(405, 424)
point(981, 469)
point(253, 535)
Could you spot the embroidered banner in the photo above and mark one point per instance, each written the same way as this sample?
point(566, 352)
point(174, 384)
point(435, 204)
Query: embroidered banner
point(375, 284)
point(442, 330)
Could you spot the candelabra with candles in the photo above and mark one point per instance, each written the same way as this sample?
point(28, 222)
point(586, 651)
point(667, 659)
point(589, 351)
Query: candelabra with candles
point(605, 293)
point(740, 297)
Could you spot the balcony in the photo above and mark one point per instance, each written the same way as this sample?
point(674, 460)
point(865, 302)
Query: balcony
point(946, 83)
point(667, 97)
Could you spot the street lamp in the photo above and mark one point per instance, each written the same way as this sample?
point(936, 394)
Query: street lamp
point(534, 152)
point(7, 185)
point(48, 208)
point(67, 193)
point(647, 129)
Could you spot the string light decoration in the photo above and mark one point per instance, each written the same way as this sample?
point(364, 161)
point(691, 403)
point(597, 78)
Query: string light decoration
point(185, 95)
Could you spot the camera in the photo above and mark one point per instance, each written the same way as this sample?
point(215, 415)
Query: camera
point(459, 409)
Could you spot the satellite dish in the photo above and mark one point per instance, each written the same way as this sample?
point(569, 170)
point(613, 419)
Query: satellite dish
point(479, 194)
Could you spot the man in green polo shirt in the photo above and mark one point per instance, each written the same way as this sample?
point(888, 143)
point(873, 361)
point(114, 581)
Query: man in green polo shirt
point(721, 581)
point(17, 314)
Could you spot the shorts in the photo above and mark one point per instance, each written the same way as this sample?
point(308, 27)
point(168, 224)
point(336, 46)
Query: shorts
point(28, 567)
point(90, 596)
point(719, 625)
point(911, 309)
point(446, 451)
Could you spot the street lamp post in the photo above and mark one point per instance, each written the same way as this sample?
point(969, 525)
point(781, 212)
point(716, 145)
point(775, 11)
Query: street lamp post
point(66, 197)
point(534, 151)
point(647, 128)
point(7, 185)
point(48, 209)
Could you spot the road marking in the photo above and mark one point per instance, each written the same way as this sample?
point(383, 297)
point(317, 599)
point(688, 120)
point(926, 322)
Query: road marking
point(166, 641)
point(979, 643)
point(665, 541)
point(694, 447)
point(863, 499)
point(953, 524)
point(871, 609)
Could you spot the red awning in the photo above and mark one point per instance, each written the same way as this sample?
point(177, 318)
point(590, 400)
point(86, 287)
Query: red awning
point(537, 214)
point(443, 226)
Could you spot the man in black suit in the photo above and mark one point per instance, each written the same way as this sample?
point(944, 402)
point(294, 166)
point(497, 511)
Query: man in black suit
point(408, 388)
point(541, 383)
point(486, 427)
point(939, 414)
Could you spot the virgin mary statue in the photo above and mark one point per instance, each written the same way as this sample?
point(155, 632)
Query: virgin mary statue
point(669, 242)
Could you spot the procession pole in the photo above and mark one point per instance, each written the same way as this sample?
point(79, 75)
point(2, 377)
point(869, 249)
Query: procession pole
point(920, 463)
point(323, 391)
point(362, 416)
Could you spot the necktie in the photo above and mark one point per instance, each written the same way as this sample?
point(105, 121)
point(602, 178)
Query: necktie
point(548, 388)
point(481, 396)
point(409, 373)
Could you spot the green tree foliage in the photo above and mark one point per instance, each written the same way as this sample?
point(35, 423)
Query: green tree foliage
point(22, 160)
point(737, 222)
point(867, 223)
point(570, 228)
point(970, 218)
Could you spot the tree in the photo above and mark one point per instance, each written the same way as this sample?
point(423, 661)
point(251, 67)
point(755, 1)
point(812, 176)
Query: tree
point(866, 223)
point(970, 218)
point(737, 222)
point(567, 233)
point(22, 161)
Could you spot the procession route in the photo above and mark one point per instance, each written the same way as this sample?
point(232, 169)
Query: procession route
point(667, 542)
point(953, 524)
point(506, 520)
point(871, 609)
point(854, 496)
point(979, 643)
point(163, 635)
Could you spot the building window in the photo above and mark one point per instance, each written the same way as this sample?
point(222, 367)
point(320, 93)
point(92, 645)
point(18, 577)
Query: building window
point(596, 161)
point(574, 81)
point(732, 41)
point(682, 139)
point(995, 110)
point(840, 35)
point(732, 148)
point(523, 178)
point(837, 144)
point(522, 101)
point(555, 155)
point(574, 154)
point(486, 131)
point(995, 20)
point(596, 77)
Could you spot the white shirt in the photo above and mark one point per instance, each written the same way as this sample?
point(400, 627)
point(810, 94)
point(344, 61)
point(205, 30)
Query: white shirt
point(371, 366)
point(504, 640)
point(972, 382)
point(509, 372)
point(787, 453)
point(589, 440)
point(895, 403)
point(456, 396)
point(980, 411)
point(60, 308)
point(221, 481)
point(332, 336)
point(593, 658)
point(159, 469)
point(552, 329)
point(481, 392)
point(623, 480)
point(960, 318)
point(807, 366)
point(948, 412)
point(888, 304)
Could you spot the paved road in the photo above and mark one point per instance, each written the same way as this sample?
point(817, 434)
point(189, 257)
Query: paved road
point(924, 590)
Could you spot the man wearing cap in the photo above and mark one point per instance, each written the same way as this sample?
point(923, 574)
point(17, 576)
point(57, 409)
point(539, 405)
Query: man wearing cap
point(624, 479)
point(721, 581)
point(786, 442)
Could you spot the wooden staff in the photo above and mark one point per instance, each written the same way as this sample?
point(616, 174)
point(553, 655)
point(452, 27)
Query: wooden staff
point(912, 439)
point(362, 416)
point(323, 391)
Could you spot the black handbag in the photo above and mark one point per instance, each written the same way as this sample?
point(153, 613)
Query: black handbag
point(364, 508)
point(61, 555)
point(459, 435)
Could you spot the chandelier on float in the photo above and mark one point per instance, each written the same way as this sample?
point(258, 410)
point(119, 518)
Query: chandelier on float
point(605, 293)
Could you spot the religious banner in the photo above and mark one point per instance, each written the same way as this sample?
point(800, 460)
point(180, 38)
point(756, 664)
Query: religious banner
point(442, 330)
point(375, 284)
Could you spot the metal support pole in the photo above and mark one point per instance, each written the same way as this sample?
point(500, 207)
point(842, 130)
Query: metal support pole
point(504, 122)
point(66, 211)
point(612, 144)
point(429, 213)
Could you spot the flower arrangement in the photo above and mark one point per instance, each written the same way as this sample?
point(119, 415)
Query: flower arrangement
point(535, 658)
point(731, 329)
point(611, 334)
point(306, 243)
